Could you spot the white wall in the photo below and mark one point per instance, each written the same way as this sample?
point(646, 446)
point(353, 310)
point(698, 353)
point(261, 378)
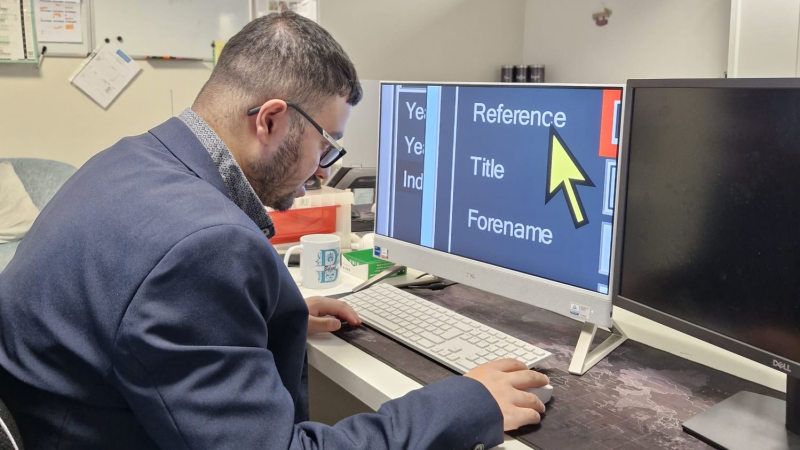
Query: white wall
point(43, 116)
point(643, 39)
point(424, 40)
point(764, 40)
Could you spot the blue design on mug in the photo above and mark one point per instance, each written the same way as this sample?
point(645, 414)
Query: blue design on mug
point(328, 261)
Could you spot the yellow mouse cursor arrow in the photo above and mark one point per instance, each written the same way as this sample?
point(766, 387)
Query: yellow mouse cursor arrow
point(564, 173)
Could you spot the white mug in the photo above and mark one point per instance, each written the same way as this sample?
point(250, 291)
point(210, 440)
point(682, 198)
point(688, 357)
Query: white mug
point(319, 260)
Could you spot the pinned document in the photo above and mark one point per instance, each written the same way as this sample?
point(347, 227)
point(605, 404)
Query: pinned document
point(105, 74)
point(58, 21)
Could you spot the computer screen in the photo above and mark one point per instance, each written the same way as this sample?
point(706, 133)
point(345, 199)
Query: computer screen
point(712, 210)
point(517, 177)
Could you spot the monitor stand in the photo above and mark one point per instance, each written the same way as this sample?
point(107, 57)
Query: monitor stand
point(751, 421)
point(583, 359)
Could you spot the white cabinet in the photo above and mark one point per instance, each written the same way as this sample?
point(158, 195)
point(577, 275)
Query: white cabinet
point(764, 38)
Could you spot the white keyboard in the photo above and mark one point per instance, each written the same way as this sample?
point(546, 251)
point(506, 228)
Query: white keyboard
point(438, 333)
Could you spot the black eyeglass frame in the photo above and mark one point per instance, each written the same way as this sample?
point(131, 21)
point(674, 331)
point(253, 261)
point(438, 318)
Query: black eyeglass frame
point(340, 151)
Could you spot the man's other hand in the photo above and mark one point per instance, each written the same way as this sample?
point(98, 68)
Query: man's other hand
point(505, 379)
point(320, 310)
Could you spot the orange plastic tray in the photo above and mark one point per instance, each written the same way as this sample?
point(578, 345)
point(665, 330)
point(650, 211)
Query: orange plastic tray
point(291, 225)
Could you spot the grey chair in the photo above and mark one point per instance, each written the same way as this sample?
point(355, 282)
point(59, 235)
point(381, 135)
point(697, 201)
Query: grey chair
point(9, 433)
point(42, 178)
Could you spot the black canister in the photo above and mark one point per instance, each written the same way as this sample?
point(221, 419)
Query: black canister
point(507, 74)
point(521, 74)
point(536, 73)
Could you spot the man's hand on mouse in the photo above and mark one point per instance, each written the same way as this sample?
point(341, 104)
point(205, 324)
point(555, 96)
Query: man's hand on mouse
point(327, 314)
point(505, 379)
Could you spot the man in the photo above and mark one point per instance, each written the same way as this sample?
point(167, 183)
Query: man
point(147, 309)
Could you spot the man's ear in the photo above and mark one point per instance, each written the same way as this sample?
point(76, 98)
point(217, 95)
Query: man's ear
point(272, 123)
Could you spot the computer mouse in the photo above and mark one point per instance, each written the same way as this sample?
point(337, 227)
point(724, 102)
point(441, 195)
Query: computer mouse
point(544, 393)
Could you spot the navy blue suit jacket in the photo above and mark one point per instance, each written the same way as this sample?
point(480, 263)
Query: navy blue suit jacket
point(146, 310)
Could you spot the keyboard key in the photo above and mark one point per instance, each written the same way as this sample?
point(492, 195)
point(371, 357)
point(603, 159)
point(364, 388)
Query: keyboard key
point(431, 337)
point(422, 342)
point(451, 333)
point(378, 321)
point(463, 326)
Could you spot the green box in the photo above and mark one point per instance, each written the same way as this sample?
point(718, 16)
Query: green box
point(363, 265)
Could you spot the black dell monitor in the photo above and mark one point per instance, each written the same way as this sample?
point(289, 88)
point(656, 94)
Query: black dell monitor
point(708, 234)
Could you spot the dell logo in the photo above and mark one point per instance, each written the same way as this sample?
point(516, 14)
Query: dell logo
point(781, 365)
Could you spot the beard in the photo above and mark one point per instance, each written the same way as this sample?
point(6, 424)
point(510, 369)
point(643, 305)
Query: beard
point(269, 177)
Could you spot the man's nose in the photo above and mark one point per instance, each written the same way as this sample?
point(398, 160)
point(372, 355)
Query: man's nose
point(323, 174)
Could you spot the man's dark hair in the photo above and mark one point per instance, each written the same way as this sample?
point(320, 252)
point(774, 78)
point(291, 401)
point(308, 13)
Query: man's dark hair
point(281, 56)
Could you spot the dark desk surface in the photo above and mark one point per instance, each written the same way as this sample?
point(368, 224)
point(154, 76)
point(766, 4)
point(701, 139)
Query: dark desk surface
point(634, 399)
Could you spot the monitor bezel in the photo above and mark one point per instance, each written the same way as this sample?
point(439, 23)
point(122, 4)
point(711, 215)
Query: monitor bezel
point(790, 368)
point(547, 294)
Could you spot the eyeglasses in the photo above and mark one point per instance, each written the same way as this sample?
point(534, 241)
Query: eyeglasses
point(333, 154)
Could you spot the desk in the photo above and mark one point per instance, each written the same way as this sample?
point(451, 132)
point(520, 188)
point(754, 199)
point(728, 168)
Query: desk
point(374, 382)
